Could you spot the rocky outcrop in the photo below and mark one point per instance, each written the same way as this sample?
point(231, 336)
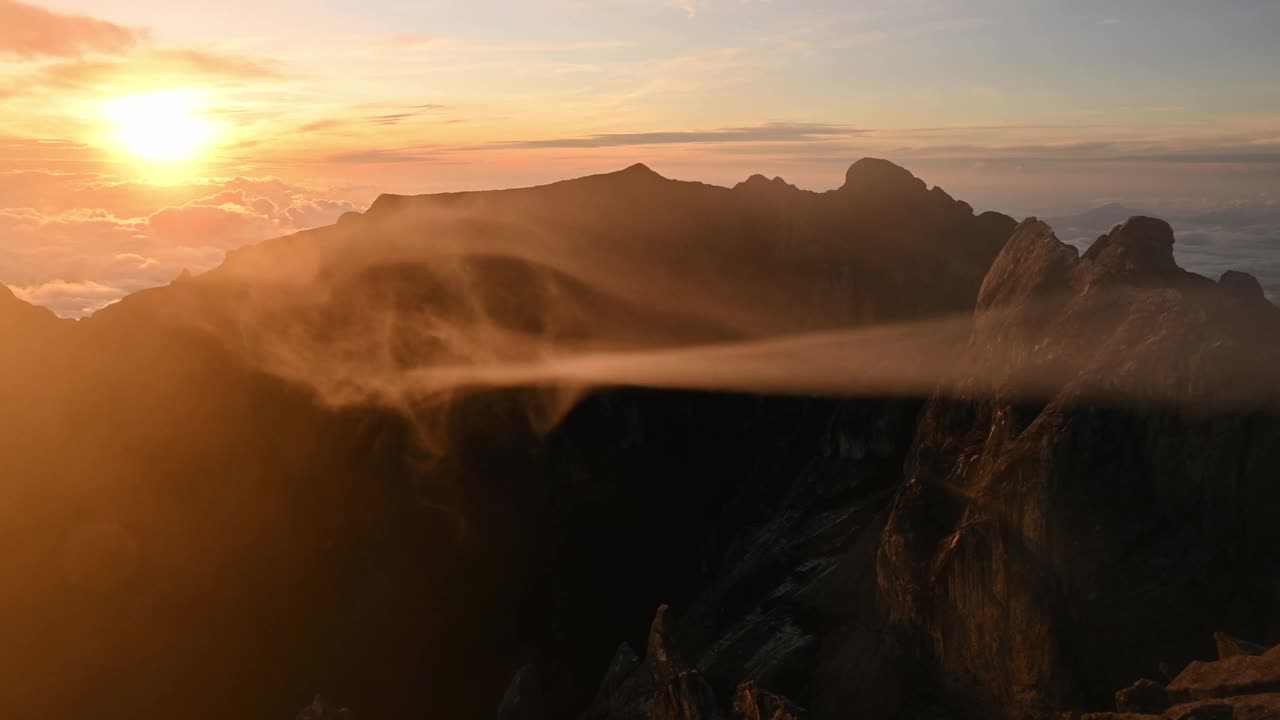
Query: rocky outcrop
point(790, 607)
point(1231, 647)
point(880, 177)
point(665, 687)
point(1078, 513)
point(522, 700)
point(1237, 674)
point(686, 696)
point(1237, 686)
point(752, 703)
point(1088, 506)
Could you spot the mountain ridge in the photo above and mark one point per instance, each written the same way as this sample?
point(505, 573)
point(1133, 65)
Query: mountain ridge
point(235, 462)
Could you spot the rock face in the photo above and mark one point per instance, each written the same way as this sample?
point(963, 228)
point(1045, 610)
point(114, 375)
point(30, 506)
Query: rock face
point(522, 699)
point(752, 703)
point(1085, 510)
point(1232, 647)
point(1228, 677)
point(1240, 686)
point(665, 687)
point(1047, 547)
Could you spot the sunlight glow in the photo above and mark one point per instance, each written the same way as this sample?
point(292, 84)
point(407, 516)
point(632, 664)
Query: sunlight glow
point(161, 127)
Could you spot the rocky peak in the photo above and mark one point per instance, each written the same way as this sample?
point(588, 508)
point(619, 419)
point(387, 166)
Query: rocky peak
point(752, 703)
point(638, 170)
point(387, 203)
point(1033, 262)
point(662, 653)
point(1241, 285)
point(520, 701)
point(760, 184)
point(1140, 249)
point(1067, 484)
point(880, 176)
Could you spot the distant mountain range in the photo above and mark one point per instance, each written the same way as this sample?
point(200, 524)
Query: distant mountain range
point(451, 455)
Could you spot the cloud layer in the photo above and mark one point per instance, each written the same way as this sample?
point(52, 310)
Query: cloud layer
point(1242, 236)
point(75, 242)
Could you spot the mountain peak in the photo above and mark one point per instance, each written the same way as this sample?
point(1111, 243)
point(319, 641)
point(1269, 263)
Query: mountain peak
point(1033, 263)
point(761, 183)
point(1242, 285)
point(639, 169)
point(876, 174)
point(1141, 247)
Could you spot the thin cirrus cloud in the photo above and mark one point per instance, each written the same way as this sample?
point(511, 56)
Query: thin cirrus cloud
point(29, 31)
point(397, 117)
point(180, 64)
point(768, 132)
point(379, 157)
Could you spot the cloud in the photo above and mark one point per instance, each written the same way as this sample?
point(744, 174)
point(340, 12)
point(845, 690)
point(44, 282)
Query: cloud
point(28, 31)
point(157, 67)
point(43, 153)
point(325, 124)
point(397, 117)
point(392, 115)
point(69, 299)
point(377, 157)
point(80, 241)
point(690, 6)
point(768, 132)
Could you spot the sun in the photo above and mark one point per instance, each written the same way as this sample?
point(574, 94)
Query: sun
point(160, 127)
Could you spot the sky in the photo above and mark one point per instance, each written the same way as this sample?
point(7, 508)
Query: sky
point(142, 137)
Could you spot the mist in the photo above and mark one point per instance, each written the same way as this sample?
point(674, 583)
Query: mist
point(412, 307)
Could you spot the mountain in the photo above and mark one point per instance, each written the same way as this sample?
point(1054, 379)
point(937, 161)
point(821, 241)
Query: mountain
point(413, 462)
point(1212, 239)
point(219, 502)
point(1050, 553)
point(1005, 556)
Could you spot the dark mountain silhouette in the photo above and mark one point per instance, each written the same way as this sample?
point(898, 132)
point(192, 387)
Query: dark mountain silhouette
point(316, 469)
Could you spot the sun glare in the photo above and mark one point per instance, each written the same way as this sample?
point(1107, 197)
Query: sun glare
point(161, 127)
